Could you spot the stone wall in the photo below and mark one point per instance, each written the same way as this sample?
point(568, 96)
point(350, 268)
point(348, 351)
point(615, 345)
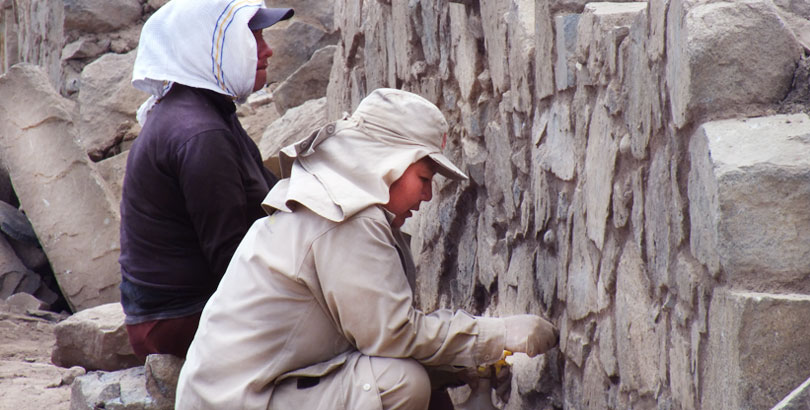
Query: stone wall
point(629, 179)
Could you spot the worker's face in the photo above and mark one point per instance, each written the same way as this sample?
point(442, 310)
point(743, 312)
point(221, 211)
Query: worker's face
point(407, 192)
point(263, 52)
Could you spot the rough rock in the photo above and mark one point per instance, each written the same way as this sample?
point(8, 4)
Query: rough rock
point(156, 4)
point(308, 82)
point(710, 66)
point(759, 349)
point(100, 16)
point(600, 29)
point(23, 302)
point(60, 192)
point(636, 342)
point(95, 339)
point(32, 32)
point(798, 399)
point(293, 44)
point(565, 65)
point(315, 12)
point(295, 125)
point(162, 371)
point(600, 161)
point(742, 171)
point(120, 390)
point(112, 172)
point(107, 103)
point(83, 48)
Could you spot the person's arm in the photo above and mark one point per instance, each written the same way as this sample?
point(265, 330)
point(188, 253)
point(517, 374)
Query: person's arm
point(369, 299)
point(209, 173)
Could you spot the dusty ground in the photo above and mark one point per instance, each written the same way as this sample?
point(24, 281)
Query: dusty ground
point(28, 380)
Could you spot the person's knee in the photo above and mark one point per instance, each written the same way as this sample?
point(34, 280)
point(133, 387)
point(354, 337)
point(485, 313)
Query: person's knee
point(403, 383)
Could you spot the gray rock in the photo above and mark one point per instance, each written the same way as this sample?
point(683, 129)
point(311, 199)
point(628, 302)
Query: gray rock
point(748, 197)
point(581, 289)
point(162, 371)
point(595, 385)
point(600, 161)
point(636, 341)
point(32, 32)
point(84, 47)
point(23, 302)
point(296, 124)
point(156, 4)
point(557, 151)
point(15, 224)
point(710, 68)
point(757, 352)
point(464, 44)
point(565, 65)
point(681, 371)
point(315, 12)
point(798, 399)
point(293, 45)
point(100, 16)
point(95, 339)
point(107, 103)
point(308, 82)
point(600, 29)
point(112, 172)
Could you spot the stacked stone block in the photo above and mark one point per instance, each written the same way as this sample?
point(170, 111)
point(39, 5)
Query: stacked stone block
point(627, 179)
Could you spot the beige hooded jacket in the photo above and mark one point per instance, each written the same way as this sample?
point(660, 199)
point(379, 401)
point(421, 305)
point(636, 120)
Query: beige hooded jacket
point(304, 288)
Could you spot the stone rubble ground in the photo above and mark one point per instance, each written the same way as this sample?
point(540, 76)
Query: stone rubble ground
point(28, 380)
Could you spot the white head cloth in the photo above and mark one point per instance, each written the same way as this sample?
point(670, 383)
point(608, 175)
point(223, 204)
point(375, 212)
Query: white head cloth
point(198, 43)
point(350, 164)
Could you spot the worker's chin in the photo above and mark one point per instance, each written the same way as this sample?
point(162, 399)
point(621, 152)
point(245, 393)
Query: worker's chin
point(261, 80)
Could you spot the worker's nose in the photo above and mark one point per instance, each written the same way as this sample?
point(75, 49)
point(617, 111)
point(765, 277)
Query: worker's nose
point(265, 51)
point(427, 192)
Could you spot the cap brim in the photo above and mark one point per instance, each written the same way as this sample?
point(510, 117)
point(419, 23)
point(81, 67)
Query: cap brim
point(446, 168)
point(266, 17)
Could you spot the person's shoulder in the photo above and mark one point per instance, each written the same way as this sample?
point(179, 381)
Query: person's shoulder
point(371, 216)
point(188, 112)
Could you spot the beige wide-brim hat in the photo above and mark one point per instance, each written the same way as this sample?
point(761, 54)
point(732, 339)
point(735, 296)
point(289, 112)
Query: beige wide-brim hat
point(351, 163)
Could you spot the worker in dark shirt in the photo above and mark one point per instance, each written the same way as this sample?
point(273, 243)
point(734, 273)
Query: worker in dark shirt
point(194, 179)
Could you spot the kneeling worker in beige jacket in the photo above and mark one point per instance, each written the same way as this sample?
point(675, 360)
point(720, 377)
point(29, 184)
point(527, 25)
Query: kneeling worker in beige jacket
point(315, 310)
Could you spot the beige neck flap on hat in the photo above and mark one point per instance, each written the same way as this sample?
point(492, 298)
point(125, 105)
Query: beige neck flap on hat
point(349, 165)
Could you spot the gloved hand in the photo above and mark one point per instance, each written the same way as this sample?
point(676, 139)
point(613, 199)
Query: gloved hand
point(529, 334)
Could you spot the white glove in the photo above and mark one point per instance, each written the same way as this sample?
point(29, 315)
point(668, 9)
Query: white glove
point(529, 334)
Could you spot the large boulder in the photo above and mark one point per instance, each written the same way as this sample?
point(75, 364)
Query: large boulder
point(295, 125)
point(748, 196)
point(60, 192)
point(308, 82)
point(758, 349)
point(107, 103)
point(100, 16)
point(293, 45)
point(95, 339)
point(725, 56)
point(120, 390)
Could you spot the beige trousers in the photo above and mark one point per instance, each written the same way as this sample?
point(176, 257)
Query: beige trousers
point(362, 383)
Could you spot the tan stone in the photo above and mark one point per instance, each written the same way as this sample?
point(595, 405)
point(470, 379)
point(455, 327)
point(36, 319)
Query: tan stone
point(60, 192)
point(95, 339)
